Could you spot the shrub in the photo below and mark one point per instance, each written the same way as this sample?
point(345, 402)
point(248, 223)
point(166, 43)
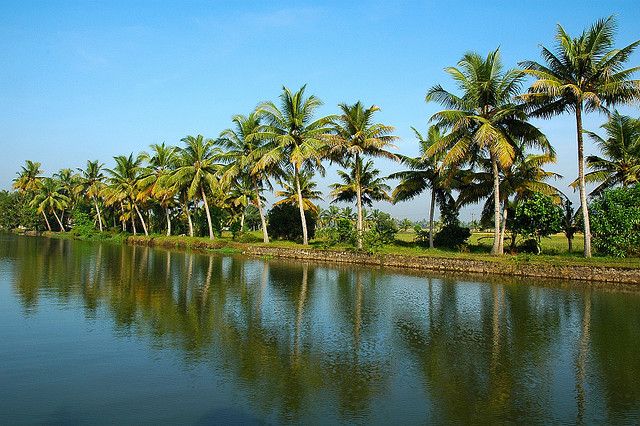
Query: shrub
point(537, 216)
point(615, 222)
point(451, 236)
point(384, 227)
point(284, 222)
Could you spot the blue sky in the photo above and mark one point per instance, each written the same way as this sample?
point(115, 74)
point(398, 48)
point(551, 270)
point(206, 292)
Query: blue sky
point(90, 80)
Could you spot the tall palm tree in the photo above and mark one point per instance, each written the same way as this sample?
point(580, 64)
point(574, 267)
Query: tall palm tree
point(198, 171)
point(293, 190)
point(156, 182)
point(295, 139)
point(29, 178)
point(68, 182)
point(484, 120)
point(425, 172)
point(363, 180)
point(584, 74)
point(621, 162)
point(123, 186)
point(244, 148)
point(356, 135)
point(92, 184)
point(50, 196)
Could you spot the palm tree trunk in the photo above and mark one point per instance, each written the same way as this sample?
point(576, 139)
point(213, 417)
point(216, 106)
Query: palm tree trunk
point(265, 234)
point(206, 208)
point(62, 218)
point(305, 239)
point(504, 225)
point(186, 210)
point(133, 224)
point(583, 192)
point(166, 212)
point(58, 219)
point(95, 203)
point(144, 225)
point(431, 212)
point(358, 201)
point(496, 207)
point(46, 220)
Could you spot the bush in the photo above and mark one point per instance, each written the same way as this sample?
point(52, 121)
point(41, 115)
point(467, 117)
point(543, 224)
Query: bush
point(451, 236)
point(383, 227)
point(537, 216)
point(615, 222)
point(343, 231)
point(529, 246)
point(284, 223)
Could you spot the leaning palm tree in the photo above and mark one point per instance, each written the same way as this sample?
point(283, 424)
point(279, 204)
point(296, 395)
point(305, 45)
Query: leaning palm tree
point(356, 135)
point(294, 139)
point(362, 181)
point(198, 171)
point(243, 148)
point(29, 178)
point(68, 182)
point(155, 182)
point(484, 120)
point(620, 164)
point(584, 74)
point(293, 190)
point(92, 184)
point(425, 172)
point(123, 187)
point(50, 196)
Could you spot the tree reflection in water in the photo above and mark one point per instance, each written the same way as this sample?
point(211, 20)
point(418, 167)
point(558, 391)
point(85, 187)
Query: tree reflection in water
point(352, 344)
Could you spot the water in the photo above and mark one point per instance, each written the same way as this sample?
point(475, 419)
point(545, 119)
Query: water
point(98, 333)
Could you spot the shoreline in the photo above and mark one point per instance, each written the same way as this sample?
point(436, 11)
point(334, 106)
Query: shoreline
point(484, 265)
point(512, 266)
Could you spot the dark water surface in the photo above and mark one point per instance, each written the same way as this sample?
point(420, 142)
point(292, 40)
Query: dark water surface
point(98, 333)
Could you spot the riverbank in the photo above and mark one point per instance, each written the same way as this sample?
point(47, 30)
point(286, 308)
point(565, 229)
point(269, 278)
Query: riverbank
point(596, 269)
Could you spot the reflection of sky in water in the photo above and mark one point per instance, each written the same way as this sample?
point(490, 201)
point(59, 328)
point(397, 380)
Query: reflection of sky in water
point(95, 331)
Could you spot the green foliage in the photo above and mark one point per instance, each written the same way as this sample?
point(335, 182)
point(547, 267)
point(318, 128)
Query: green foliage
point(383, 227)
point(422, 236)
point(452, 236)
point(82, 224)
point(537, 216)
point(341, 231)
point(615, 222)
point(284, 222)
point(15, 212)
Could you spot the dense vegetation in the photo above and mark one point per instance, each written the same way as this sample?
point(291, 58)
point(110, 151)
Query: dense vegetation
point(481, 148)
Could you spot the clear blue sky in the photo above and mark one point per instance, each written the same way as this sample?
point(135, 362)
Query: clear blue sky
point(90, 80)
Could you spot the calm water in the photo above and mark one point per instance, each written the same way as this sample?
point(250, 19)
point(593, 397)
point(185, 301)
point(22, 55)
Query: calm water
point(98, 333)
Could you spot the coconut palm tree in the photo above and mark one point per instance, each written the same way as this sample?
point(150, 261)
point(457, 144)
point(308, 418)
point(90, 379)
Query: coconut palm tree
point(425, 172)
point(300, 187)
point(29, 178)
point(294, 139)
point(244, 148)
point(621, 162)
point(356, 135)
point(68, 183)
point(483, 120)
point(198, 171)
point(50, 196)
point(123, 187)
point(92, 184)
point(363, 180)
point(156, 180)
point(583, 74)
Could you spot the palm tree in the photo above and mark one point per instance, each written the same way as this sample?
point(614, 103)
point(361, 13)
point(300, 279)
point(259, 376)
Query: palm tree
point(485, 120)
point(295, 139)
point(50, 196)
point(584, 74)
point(362, 180)
point(244, 148)
point(329, 215)
point(29, 178)
point(355, 136)
point(156, 182)
point(425, 171)
point(198, 171)
point(123, 187)
point(302, 188)
point(92, 184)
point(621, 162)
point(569, 221)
